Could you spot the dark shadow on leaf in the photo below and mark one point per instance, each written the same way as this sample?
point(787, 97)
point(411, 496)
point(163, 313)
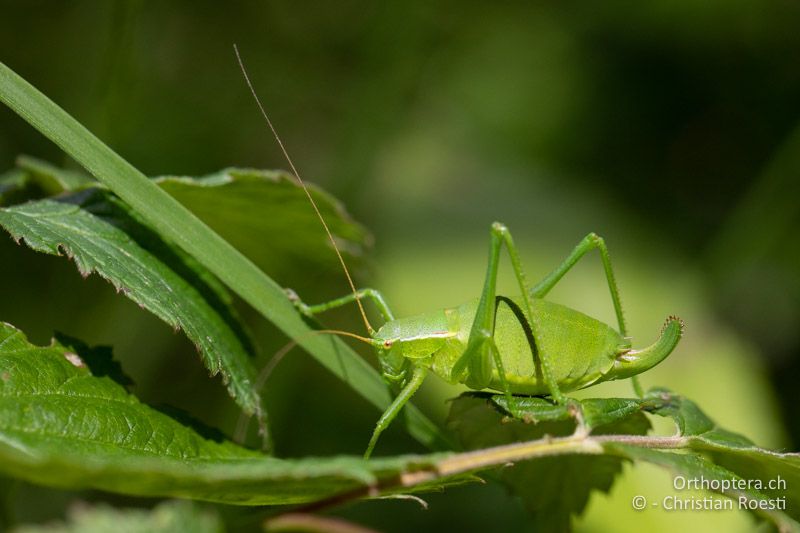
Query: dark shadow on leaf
point(99, 359)
point(185, 418)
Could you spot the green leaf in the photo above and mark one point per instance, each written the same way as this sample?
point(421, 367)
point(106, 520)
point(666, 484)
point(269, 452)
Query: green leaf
point(758, 464)
point(264, 214)
point(696, 467)
point(108, 207)
point(177, 224)
point(618, 426)
point(732, 451)
point(692, 421)
point(529, 409)
point(553, 488)
point(33, 178)
point(166, 517)
point(62, 426)
point(267, 216)
point(97, 246)
point(595, 412)
point(51, 179)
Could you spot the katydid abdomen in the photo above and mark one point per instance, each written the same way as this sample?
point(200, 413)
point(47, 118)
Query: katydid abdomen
point(583, 350)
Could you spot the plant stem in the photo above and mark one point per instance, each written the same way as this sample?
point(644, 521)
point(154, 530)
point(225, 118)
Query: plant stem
point(508, 454)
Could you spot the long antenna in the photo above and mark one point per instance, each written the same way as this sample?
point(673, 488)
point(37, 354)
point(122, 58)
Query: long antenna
point(308, 194)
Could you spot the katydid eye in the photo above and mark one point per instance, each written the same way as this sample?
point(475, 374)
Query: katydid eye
point(387, 344)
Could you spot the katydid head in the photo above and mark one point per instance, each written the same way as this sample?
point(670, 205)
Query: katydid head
point(389, 345)
point(404, 340)
point(394, 367)
point(632, 362)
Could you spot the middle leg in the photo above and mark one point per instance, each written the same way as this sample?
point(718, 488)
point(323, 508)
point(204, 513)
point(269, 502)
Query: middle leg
point(475, 365)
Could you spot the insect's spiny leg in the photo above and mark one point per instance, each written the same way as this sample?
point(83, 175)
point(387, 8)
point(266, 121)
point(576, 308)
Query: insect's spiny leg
point(590, 242)
point(417, 377)
point(476, 357)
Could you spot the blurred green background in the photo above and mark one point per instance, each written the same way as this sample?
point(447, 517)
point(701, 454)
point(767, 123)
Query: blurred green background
point(670, 128)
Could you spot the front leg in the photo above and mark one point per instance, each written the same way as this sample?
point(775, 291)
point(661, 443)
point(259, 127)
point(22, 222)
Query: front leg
point(311, 310)
point(417, 377)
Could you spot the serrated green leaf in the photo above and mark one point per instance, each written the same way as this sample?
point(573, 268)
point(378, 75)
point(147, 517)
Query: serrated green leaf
point(692, 421)
point(62, 426)
point(696, 467)
point(267, 216)
point(706, 450)
point(166, 517)
point(96, 246)
point(106, 206)
point(755, 463)
point(554, 488)
point(736, 453)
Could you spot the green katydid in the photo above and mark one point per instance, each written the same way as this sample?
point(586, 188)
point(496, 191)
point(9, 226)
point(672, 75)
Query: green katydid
point(523, 345)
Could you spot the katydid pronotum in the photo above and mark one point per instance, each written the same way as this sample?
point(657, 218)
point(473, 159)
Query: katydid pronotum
point(523, 345)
